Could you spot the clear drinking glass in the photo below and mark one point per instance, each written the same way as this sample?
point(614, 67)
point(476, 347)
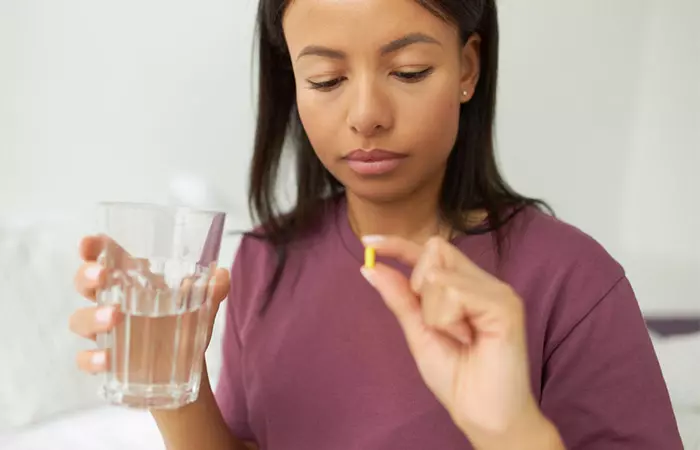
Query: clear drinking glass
point(159, 264)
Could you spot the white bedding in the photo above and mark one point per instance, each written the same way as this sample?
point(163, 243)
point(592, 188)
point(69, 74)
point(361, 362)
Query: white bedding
point(114, 428)
point(103, 428)
point(689, 423)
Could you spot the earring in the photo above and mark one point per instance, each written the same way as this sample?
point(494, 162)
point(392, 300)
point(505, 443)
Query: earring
point(465, 93)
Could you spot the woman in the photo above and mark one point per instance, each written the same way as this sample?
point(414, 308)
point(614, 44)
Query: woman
point(486, 323)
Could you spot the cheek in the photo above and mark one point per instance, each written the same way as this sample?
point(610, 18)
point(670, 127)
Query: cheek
point(320, 123)
point(433, 126)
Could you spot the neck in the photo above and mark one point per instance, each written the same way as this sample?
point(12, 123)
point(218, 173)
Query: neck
point(415, 219)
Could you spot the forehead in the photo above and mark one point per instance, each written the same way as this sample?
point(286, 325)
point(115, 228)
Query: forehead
point(360, 23)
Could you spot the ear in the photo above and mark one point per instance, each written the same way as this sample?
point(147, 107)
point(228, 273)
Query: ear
point(471, 67)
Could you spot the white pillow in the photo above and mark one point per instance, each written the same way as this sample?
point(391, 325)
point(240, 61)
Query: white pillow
point(38, 374)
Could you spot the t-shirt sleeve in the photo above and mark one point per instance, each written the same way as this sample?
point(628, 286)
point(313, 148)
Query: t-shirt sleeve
point(230, 391)
point(602, 383)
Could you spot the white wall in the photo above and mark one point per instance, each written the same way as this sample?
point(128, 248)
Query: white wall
point(599, 114)
point(110, 100)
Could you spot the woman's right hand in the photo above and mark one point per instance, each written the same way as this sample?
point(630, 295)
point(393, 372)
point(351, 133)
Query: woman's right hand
point(92, 320)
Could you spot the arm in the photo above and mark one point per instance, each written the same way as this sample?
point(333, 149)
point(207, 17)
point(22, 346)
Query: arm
point(198, 425)
point(211, 422)
point(602, 383)
point(533, 431)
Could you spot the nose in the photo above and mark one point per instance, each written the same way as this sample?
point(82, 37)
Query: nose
point(370, 111)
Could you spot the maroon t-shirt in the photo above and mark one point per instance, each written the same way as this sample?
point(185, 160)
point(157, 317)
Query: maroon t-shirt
point(327, 367)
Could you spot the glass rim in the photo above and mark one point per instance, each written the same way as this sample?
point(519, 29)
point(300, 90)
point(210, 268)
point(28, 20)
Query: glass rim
point(157, 207)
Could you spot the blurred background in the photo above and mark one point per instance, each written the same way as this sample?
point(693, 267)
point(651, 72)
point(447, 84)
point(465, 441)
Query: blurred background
point(599, 114)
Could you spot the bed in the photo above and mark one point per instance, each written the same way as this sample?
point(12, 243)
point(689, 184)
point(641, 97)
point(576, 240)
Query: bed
point(689, 424)
point(677, 343)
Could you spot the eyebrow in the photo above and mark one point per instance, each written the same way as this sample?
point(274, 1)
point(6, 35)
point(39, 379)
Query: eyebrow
point(391, 47)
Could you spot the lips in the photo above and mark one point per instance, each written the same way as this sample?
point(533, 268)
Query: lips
point(373, 162)
point(373, 155)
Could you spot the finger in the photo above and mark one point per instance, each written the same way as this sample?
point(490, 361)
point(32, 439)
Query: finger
point(488, 307)
point(222, 284)
point(88, 278)
point(195, 288)
point(409, 252)
point(462, 291)
point(396, 247)
point(443, 312)
point(102, 251)
point(92, 247)
point(92, 361)
point(451, 257)
point(396, 292)
point(429, 259)
point(88, 322)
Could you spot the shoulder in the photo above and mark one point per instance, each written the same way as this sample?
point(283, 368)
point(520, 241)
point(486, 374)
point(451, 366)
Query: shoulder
point(258, 260)
point(256, 252)
point(253, 261)
point(538, 242)
point(561, 272)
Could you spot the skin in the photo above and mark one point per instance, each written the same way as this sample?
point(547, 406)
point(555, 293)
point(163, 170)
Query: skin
point(364, 81)
point(378, 99)
point(466, 332)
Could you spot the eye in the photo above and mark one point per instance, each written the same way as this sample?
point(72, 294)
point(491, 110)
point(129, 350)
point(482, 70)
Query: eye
point(326, 85)
point(413, 76)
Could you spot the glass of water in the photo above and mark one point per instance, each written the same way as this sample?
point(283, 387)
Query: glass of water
point(159, 264)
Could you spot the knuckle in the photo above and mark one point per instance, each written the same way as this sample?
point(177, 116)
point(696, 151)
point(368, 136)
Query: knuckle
point(435, 242)
point(433, 275)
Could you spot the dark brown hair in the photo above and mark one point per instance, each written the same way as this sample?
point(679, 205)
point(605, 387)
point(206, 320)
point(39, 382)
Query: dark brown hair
point(472, 180)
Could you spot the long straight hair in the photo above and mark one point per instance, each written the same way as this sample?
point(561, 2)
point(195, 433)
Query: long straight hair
point(472, 179)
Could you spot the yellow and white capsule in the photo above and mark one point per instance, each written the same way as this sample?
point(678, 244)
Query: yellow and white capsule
point(370, 257)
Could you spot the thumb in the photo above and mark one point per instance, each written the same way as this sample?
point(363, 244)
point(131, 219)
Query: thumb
point(221, 285)
point(395, 290)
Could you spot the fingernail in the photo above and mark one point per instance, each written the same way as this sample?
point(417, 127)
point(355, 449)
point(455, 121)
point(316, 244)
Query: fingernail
point(98, 359)
point(372, 239)
point(93, 272)
point(367, 273)
point(104, 315)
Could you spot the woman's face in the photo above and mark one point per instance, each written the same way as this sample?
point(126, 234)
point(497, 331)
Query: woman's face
point(379, 87)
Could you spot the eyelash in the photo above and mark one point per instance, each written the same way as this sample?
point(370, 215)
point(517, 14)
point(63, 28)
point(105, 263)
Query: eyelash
point(406, 77)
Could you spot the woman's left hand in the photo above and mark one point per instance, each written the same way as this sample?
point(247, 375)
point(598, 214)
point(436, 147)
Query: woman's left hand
point(466, 331)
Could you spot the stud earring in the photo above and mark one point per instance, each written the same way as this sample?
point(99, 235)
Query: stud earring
point(465, 93)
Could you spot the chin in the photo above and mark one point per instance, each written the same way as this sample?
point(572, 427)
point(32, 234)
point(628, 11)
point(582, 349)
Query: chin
point(395, 187)
point(376, 191)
